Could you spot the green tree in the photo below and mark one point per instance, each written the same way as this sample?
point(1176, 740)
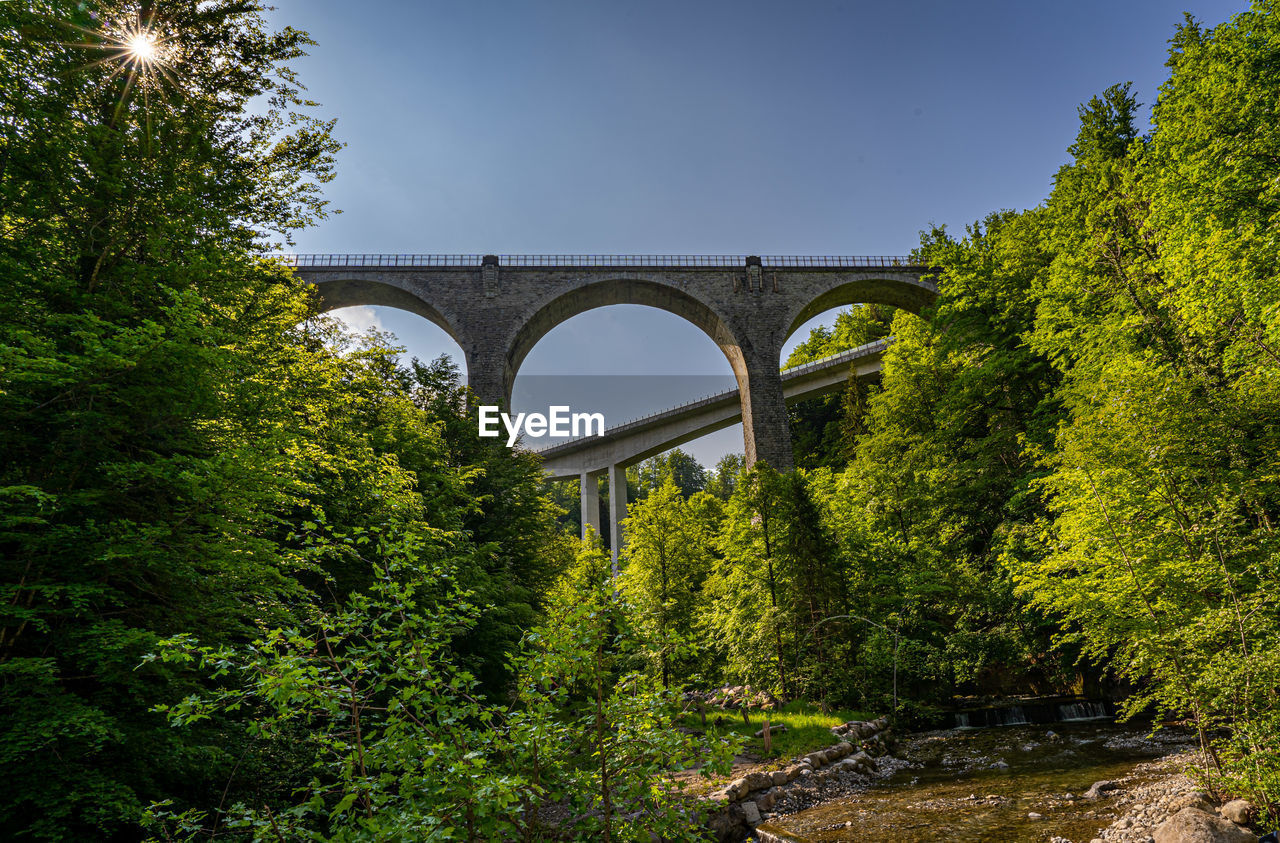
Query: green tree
point(608, 726)
point(152, 388)
point(723, 478)
point(686, 472)
point(1156, 313)
point(821, 427)
point(750, 619)
point(667, 558)
point(403, 745)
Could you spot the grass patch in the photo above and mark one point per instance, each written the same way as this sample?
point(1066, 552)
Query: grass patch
point(807, 727)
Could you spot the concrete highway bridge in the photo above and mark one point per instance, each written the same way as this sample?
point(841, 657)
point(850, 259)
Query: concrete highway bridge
point(591, 457)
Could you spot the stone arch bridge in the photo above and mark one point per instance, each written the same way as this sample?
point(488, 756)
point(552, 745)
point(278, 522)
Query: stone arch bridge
point(497, 307)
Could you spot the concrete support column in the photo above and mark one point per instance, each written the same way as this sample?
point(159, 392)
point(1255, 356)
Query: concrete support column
point(617, 510)
point(590, 497)
point(764, 412)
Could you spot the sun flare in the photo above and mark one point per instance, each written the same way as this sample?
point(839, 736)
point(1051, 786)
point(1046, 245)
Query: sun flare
point(142, 46)
point(137, 48)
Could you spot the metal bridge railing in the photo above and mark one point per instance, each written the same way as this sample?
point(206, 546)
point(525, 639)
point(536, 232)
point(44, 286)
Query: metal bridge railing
point(852, 261)
point(716, 261)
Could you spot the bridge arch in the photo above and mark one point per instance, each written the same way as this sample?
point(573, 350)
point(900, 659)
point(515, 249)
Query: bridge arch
point(613, 291)
point(355, 292)
point(906, 293)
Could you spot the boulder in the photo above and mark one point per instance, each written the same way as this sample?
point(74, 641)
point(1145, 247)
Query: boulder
point(1191, 825)
point(845, 748)
point(780, 777)
point(1190, 800)
point(737, 789)
point(1097, 789)
point(758, 781)
point(751, 813)
point(865, 760)
point(766, 800)
point(729, 825)
point(1239, 811)
point(793, 772)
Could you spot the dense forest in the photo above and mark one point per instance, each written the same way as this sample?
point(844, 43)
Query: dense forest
point(260, 578)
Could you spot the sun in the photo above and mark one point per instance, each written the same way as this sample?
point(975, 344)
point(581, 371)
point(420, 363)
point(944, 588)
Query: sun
point(136, 48)
point(141, 47)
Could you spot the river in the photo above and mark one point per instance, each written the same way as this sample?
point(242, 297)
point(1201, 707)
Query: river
point(988, 785)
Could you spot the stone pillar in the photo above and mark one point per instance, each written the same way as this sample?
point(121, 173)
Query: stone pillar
point(590, 497)
point(489, 275)
point(487, 376)
point(617, 510)
point(764, 412)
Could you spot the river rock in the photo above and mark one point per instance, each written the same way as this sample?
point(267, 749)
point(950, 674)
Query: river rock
point(751, 813)
point(729, 825)
point(1097, 789)
point(1190, 800)
point(1239, 811)
point(865, 760)
point(845, 747)
point(1191, 825)
point(780, 777)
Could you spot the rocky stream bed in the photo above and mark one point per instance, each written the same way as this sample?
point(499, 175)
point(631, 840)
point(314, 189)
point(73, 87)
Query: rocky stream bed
point(1086, 782)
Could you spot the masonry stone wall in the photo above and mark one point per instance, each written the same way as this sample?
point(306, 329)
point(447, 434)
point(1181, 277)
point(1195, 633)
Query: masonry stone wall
point(497, 314)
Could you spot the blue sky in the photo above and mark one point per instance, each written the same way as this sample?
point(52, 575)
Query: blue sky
point(697, 127)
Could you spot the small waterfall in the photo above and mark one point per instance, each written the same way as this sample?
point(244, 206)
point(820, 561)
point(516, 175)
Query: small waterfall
point(1011, 716)
point(1031, 711)
point(1083, 711)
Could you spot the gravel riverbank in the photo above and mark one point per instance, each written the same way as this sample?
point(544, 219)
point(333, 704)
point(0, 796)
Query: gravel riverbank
point(1144, 804)
point(1075, 783)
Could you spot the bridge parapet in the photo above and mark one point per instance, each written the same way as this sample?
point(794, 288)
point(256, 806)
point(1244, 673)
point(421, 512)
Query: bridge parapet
point(390, 261)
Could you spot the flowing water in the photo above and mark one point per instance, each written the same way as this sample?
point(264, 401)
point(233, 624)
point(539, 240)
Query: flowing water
point(981, 785)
